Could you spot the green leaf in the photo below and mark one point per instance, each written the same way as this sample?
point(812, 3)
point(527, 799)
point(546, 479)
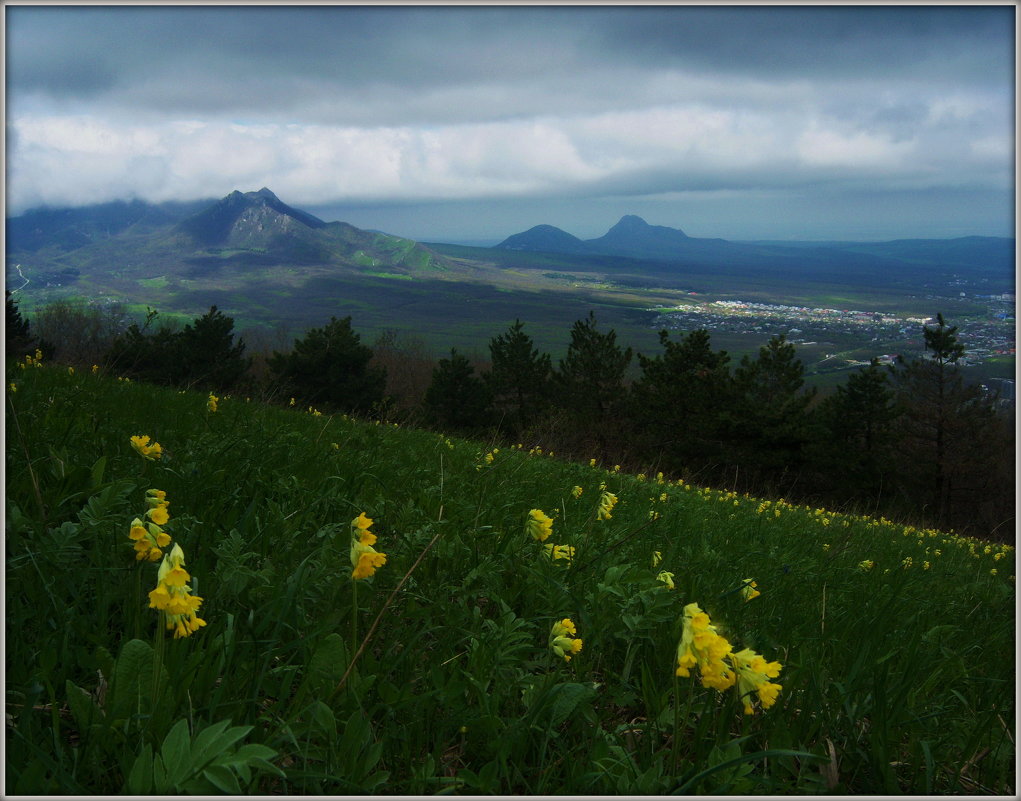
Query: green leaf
point(324, 718)
point(140, 778)
point(97, 471)
point(159, 777)
point(131, 683)
point(223, 779)
point(213, 741)
point(176, 753)
point(328, 663)
point(82, 705)
point(565, 699)
point(693, 782)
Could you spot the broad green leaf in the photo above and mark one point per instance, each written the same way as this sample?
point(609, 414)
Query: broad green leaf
point(82, 705)
point(140, 778)
point(213, 741)
point(223, 779)
point(176, 753)
point(131, 683)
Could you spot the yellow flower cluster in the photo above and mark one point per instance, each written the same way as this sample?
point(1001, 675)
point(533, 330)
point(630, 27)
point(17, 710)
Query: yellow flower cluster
point(32, 362)
point(866, 565)
point(720, 667)
point(211, 402)
point(607, 500)
point(144, 449)
point(538, 525)
point(559, 551)
point(364, 558)
point(149, 537)
point(667, 578)
point(576, 492)
point(173, 597)
point(702, 647)
point(562, 639)
point(753, 675)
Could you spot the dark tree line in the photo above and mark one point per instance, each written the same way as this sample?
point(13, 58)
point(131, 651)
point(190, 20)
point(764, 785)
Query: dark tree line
point(913, 440)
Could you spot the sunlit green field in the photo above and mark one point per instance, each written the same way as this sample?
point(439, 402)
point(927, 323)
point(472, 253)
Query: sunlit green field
point(435, 674)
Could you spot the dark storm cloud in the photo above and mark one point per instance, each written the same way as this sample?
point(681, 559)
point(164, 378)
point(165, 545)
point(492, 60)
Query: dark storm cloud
point(410, 105)
point(854, 42)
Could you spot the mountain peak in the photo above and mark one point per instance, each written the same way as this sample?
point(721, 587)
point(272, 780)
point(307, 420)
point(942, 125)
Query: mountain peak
point(247, 216)
point(631, 221)
point(543, 238)
point(264, 192)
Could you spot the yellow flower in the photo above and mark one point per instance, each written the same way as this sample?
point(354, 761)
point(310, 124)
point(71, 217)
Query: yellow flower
point(538, 525)
point(748, 591)
point(70, 371)
point(158, 514)
point(701, 646)
point(144, 449)
point(559, 551)
point(211, 402)
point(95, 368)
point(753, 674)
point(591, 462)
point(657, 557)
point(12, 387)
point(607, 500)
point(667, 578)
point(562, 640)
point(576, 492)
point(866, 565)
point(364, 558)
point(173, 597)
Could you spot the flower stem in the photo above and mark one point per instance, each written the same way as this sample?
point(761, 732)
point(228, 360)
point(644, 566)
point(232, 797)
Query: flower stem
point(354, 615)
point(157, 662)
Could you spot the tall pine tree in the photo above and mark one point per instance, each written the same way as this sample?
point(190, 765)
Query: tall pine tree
point(682, 401)
point(518, 379)
point(589, 384)
point(457, 399)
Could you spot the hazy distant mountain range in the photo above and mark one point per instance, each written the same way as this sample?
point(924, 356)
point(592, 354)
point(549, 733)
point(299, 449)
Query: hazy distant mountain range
point(254, 228)
point(634, 238)
point(269, 263)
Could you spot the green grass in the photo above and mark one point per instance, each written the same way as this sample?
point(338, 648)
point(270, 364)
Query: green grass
point(896, 680)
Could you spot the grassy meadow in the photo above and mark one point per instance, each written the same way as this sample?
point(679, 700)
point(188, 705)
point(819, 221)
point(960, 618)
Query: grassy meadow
point(445, 670)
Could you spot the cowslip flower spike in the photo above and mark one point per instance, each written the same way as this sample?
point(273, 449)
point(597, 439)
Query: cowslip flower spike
point(562, 640)
point(364, 558)
point(538, 525)
point(144, 449)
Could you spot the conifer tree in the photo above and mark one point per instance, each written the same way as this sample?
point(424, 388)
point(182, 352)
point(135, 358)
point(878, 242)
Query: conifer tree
point(18, 339)
point(519, 379)
point(457, 399)
point(330, 367)
point(856, 442)
point(682, 400)
point(207, 356)
point(589, 383)
point(943, 424)
point(769, 425)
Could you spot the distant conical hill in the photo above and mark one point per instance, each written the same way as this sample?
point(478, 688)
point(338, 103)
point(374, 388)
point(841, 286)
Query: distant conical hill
point(631, 237)
point(544, 238)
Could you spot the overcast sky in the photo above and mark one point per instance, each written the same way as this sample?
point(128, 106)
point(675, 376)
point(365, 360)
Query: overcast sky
point(459, 123)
